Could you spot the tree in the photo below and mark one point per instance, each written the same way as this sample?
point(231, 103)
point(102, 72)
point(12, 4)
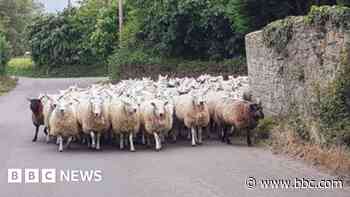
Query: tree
point(15, 15)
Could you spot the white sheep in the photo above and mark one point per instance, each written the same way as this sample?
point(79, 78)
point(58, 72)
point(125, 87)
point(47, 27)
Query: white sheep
point(63, 122)
point(125, 119)
point(93, 116)
point(156, 119)
point(193, 111)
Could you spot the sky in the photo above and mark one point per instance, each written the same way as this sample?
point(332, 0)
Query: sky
point(55, 5)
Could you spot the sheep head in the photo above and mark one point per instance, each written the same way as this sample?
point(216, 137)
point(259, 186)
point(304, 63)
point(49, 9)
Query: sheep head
point(159, 108)
point(130, 106)
point(96, 106)
point(257, 111)
point(36, 106)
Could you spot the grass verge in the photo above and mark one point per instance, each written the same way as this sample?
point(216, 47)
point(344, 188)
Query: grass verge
point(7, 84)
point(24, 66)
point(283, 139)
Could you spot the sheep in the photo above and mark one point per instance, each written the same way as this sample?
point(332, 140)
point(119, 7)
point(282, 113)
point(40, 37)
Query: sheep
point(93, 117)
point(125, 119)
point(156, 119)
point(238, 114)
point(193, 111)
point(36, 107)
point(63, 122)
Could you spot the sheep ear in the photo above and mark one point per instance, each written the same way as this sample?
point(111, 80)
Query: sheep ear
point(153, 104)
point(29, 99)
point(253, 107)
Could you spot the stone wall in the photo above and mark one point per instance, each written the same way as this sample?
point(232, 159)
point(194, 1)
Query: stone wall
point(291, 81)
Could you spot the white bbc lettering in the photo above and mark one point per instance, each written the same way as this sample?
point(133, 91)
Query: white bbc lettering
point(48, 175)
point(14, 175)
point(31, 175)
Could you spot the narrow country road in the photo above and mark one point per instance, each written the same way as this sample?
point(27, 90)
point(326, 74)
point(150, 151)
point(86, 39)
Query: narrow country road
point(179, 170)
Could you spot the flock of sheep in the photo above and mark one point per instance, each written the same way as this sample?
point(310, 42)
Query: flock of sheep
point(146, 110)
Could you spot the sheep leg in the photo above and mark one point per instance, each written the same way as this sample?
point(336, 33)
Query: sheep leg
point(226, 135)
point(143, 139)
point(189, 136)
point(60, 143)
point(200, 130)
point(131, 139)
point(194, 136)
point(249, 142)
point(48, 139)
point(149, 141)
point(162, 138)
point(93, 140)
point(158, 141)
point(174, 135)
point(36, 133)
point(57, 141)
point(98, 141)
point(121, 141)
point(45, 131)
point(70, 139)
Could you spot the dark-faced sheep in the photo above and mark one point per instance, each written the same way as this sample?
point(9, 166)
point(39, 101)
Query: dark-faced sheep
point(237, 114)
point(36, 106)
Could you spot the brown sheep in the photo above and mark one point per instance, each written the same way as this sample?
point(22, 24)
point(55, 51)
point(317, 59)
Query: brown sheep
point(238, 114)
point(36, 106)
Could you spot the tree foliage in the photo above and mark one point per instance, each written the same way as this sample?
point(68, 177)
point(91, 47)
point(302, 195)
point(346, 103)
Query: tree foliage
point(4, 53)
point(15, 15)
point(85, 35)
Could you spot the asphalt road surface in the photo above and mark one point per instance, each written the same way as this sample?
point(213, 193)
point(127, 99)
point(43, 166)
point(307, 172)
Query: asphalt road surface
point(210, 170)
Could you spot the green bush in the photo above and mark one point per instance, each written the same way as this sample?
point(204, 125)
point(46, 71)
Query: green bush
point(189, 29)
point(80, 36)
point(343, 2)
point(129, 57)
point(335, 105)
point(5, 52)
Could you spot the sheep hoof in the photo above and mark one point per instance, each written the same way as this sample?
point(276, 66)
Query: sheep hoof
point(34, 140)
point(60, 150)
point(133, 150)
point(193, 145)
point(93, 146)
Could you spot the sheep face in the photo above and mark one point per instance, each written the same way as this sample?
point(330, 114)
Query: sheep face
point(130, 107)
point(36, 106)
point(257, 111)
point(96, 107)
point(159, 108)
point(62, 107)
point(198, 102)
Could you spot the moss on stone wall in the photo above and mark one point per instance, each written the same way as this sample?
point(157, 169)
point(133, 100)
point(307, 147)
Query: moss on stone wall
point(338, 16)
point(277, 34)
point(335, 105)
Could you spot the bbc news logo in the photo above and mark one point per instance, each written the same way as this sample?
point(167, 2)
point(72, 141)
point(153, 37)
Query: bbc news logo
point(32, 176)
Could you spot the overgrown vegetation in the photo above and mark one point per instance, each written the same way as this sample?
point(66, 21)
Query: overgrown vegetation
point(335, 104)
point(7, 84)
point(4, 53)
point(137, 64)
point(277, 34)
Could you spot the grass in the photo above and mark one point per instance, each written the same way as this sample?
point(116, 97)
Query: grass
point(7, 84)
point(333, 158)
point(25, 67)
